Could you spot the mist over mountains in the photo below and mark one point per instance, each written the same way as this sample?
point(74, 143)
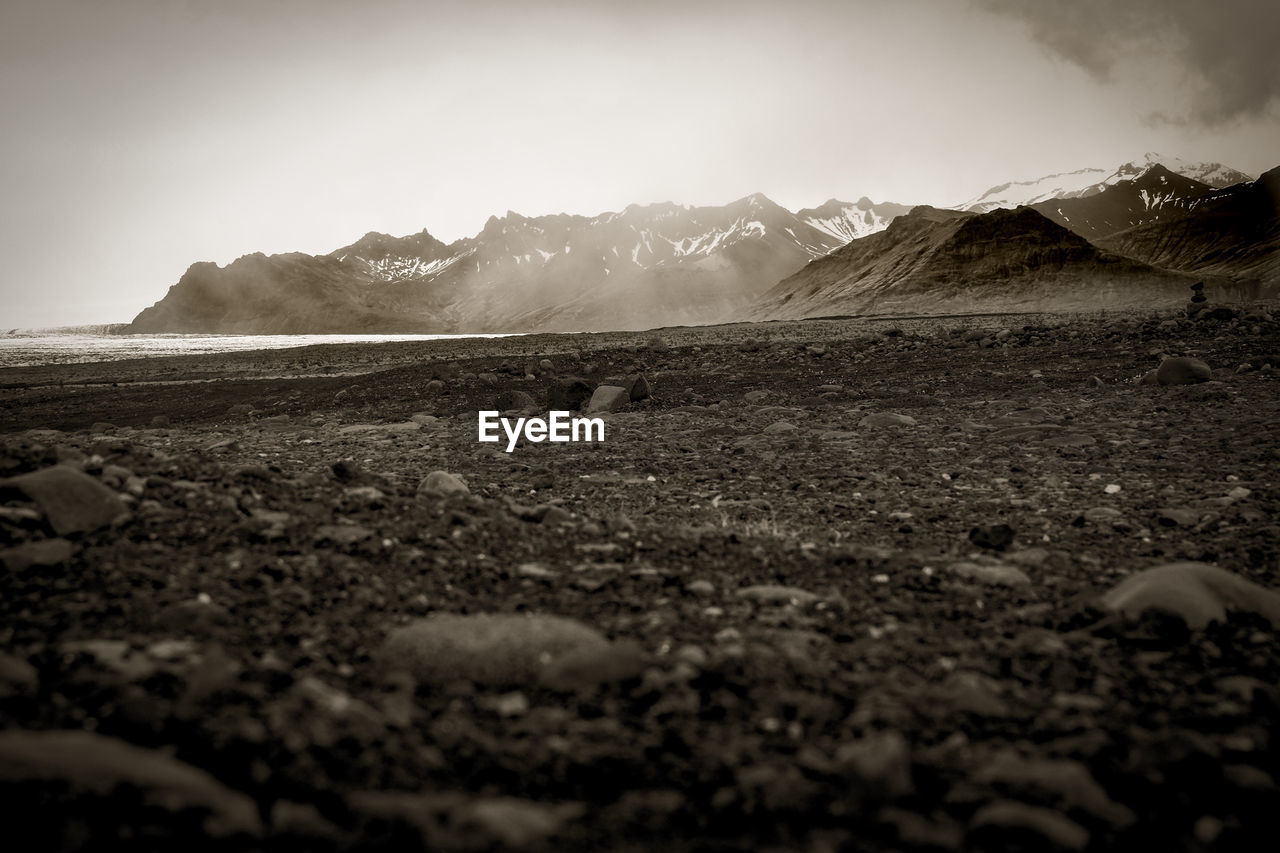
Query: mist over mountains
point(1127, 237)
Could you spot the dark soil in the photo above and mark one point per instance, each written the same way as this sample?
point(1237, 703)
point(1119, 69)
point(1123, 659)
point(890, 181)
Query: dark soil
point(891, 700)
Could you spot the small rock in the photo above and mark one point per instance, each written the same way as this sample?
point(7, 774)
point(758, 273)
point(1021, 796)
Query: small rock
point(608, 398)
point(636, 384)
point(567, 395)
point(442, 484)
point(1068, 782)
point(1182, 370)
point(508, 400)
point(879, 764)
point(17, 677)
point(72, 501)
point(1173, 517)
point(342, 534)
point(780, 428)
point(997, 537)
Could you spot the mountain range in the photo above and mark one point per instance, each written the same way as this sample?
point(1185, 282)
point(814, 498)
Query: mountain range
point(1130, 238)
point(645, 266)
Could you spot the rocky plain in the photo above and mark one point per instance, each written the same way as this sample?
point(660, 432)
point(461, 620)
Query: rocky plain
point(987, 582)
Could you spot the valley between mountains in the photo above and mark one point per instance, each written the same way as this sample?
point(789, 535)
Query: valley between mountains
point(1136, 236)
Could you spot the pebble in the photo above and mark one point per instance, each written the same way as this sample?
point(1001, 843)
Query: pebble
point(442, 484)
point(72, 501)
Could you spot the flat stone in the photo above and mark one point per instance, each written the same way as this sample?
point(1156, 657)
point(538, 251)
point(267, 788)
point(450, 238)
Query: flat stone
point(72, 501)
point(342, 534)
point(1067, 782)
point(83, 766)
point(502, 650)
point(996, 574)
point(780, 428)
point(773, 594)
point(1197, 594)
point(1027, 827)
point(44, 554)
point(881, 420)
point(1174, 517)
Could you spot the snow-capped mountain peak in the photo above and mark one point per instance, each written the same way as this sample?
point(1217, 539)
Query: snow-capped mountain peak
point(1083, 183)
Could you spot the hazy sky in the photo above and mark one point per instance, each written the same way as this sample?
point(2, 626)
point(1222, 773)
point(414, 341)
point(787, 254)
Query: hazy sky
point(139, 136)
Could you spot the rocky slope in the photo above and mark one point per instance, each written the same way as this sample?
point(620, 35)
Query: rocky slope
point(645, 266)
point(1233, 232)
point(935, 261)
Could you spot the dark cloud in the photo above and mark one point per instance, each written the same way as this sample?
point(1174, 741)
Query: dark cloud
point(1228, 48)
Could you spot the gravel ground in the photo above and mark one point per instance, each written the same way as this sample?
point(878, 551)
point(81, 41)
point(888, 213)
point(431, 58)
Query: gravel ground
point(833, 585)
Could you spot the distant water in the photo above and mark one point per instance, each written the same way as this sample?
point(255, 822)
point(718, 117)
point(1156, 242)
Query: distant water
point(78, 344)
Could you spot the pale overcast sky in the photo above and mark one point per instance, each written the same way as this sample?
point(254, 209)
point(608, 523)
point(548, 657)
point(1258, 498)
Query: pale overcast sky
point(140, 136)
